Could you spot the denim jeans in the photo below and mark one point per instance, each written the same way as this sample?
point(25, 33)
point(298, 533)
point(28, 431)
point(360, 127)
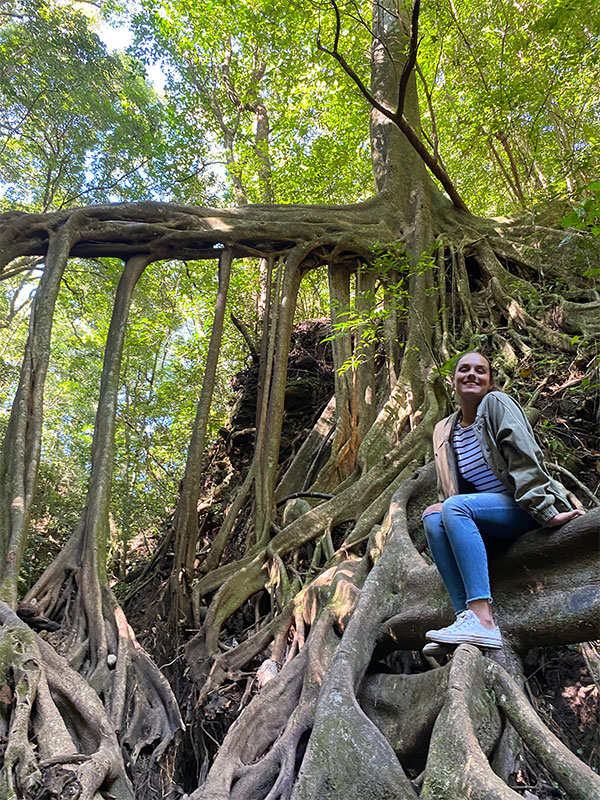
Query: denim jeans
point(456, 543)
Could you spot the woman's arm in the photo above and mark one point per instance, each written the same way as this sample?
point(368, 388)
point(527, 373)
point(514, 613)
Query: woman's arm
point(534, 489)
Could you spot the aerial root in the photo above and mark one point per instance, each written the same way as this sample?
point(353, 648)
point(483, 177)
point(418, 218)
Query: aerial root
point(347, 752)
point(250, 756)
point(517, 298)
point(51, 704)
point(249, 575)
point(335, 585)
point(20, 657)
point(576, 778)
point(98, 642)
point(136, 700)
point(94, 735)
point(469, 727)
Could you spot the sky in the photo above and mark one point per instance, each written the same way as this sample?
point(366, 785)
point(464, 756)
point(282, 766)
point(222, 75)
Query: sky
point(120, 38)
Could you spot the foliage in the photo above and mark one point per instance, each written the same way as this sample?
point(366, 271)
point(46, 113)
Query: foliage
point(586, 213)
point(75, 123)
point(56, 511)
point(225, 62)
point(511, 92)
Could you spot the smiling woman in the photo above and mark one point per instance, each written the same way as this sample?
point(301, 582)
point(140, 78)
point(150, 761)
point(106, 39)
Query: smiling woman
point(473, 378)
point(493, 483)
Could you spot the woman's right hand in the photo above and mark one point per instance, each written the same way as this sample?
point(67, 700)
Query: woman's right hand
point(563, 517)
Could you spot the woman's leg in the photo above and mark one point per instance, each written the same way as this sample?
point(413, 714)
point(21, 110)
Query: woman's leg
point(465, 518)
point(441, 552)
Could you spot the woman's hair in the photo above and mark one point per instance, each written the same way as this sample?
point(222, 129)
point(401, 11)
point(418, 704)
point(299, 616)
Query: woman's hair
point(483, 355)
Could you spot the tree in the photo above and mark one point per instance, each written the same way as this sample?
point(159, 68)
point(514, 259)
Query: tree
point(508, 84)
point(442, 279)
point(76, 123)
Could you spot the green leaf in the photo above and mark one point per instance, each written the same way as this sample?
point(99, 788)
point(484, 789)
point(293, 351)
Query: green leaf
point(570, 221)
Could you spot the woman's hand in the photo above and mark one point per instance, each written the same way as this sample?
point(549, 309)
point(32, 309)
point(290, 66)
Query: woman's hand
point(563, 517)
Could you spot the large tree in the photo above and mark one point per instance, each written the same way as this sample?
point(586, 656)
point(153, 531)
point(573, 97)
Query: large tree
point(86, 706)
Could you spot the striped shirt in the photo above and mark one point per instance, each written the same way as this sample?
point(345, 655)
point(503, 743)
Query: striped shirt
point(471, 463)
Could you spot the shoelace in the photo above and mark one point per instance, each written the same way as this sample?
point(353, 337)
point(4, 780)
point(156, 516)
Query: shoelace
point(461, 620)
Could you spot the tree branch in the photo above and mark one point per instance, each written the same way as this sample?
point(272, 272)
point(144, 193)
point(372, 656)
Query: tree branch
point(243, 329)
point(409, 64)
point(397, 116)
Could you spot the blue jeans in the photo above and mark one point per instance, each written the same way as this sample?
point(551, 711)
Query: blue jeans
point(456, 543)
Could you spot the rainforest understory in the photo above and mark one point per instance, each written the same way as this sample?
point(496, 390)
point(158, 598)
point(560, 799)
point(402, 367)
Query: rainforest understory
point(289, 595)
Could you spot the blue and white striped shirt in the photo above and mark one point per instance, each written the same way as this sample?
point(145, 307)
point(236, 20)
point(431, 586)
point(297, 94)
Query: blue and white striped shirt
point(471, 463)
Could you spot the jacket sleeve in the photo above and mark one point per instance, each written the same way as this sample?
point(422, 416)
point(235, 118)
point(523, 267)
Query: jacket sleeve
point(535, 491)
point(442, 467)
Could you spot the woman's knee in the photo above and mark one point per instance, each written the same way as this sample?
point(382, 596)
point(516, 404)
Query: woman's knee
point(433, 524)
point(457, 504)
point(433, 509)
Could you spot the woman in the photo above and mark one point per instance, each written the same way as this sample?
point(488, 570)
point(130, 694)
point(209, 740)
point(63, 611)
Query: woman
point(491, 473)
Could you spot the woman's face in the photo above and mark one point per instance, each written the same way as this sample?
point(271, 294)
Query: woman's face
point(472, 378)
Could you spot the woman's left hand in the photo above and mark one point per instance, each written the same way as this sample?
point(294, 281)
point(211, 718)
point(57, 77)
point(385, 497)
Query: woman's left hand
point(563, 517)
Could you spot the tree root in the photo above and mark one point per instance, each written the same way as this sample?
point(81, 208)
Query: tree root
point(257, 758)
point(53, 705)
point(465, 733)
point(362, 733)
point(346, 749)
point(316, 697)
point(226, 664)
point(99, 643)
point(404, 708)
point(537, 565)
point(19, 656)
point(576, 778)
point(469, 727)
point(246, 577)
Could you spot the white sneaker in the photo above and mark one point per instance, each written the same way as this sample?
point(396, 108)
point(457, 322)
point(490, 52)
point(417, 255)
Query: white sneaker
point(467, 630)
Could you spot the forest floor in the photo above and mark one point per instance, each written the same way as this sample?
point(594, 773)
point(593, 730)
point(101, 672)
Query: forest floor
point(561, 682)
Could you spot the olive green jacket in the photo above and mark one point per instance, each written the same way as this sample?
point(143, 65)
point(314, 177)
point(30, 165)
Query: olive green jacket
point(510, 450)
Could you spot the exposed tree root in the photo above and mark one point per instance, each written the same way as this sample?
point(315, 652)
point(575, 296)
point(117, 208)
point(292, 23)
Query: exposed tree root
point(99, 644)
point(75, 743)
point(481, 698)
point(364, 732)
point(244, 578)
point(259, 757)
point(576, 778)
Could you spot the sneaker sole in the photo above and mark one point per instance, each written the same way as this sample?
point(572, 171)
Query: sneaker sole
point(436, 649)
point(480, 641)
